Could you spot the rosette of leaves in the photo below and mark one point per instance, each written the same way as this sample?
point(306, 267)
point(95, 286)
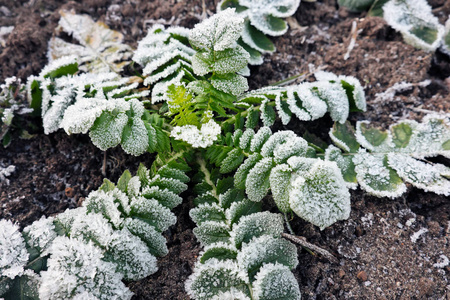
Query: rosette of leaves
point(382, 161)
point(261, 18)
point(337, 95)
point(285, 164)
point(414, 19)
point(85, 253)
point(13, 108)
point(244, 255)
point(99, 48)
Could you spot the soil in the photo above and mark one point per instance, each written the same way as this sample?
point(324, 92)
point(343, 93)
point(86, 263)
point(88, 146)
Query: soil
point(387, 249)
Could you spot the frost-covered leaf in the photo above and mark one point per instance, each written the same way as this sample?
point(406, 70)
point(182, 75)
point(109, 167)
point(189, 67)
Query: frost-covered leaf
point(345, 164)
point(241, 208)
point(207, 212)
point(198, 138)
point(446, 39)
point(320, 196)
point(280, 183)
point(376, 177)
point(217, 33)
point(416, 22)
point(266, 249)
point(153, 213)
point(220, 251)
point(275, 281)
point(107, 130)
point(100, 49)
point(343, 135)
point(210, 232)
point(426, 176)
point(76, 267)
point(156, 243)
point(257, 183)
point(40, 234)
point(13, 253)
point(233, 84)
point(215, 277)
point(256, 39)
point(255, 225)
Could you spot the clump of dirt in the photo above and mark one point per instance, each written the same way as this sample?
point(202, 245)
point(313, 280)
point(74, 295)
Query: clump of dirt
point(387, 249)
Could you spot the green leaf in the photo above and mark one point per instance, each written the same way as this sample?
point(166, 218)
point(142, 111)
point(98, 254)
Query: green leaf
point(264, 250)
point(122, 184)
point(257, 183)
point(233, 84)
point(67, 69)
point(233, 4)
point(153, 213)
point(268, 115)
point(252, 118)
point(229, 60)
point(276, 282)
point(233, 195)
point(232, 161)
point(377, 8)
point(401, 134)
point(241, 174)
point(446, 145)
point(218, 251)
point(107, 186)
point(156, 243)
point(256, 39)
point(280, 181)
point(24, 288)
point(356, 5)
point(369, 137)
point(345, 164)
point(135, 137)
point(107, 130)
point(343, 135)
point(256, 57)
point(36, 97)
point(241, 208)
point(210, 232)
point(207, 212)
point(376, 177)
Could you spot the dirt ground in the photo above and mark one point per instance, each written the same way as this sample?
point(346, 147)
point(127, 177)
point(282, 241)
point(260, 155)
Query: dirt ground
point(387, 249)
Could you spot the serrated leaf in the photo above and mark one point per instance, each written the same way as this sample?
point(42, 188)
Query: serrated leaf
point(240, 208)
point(252, 118)
point(241, 174)
point(123, 181)
point(218, 251)
point(207, 212)
point(156, 243)
point(135, 137)
point(256, 225)
point(107, 186)
point(345, 164)
point(264, 250)
point(280, 182)
point(107, 130)
point(275, 281)
point(257, 183)
point(232, 161)
point(233, 84)
point(210, 232)
point(320, 195)
point(153, 213)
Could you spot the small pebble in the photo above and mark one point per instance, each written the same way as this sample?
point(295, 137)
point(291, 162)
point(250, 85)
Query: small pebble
point(69, 192)
point(362, 276)
point(341, 273)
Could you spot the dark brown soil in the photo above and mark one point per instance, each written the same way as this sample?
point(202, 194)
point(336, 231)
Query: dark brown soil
point(378, 255)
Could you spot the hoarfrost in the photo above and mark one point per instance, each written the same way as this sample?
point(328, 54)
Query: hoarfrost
point(13, 254)
point(197, 138)
point(276, 281)
point(40, 234)
point(5, 172)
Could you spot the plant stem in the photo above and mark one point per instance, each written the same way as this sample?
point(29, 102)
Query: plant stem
point(309, 247)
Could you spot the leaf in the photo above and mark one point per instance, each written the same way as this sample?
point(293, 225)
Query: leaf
point(415, 21)
point(275, 281)
point(207, 212)
point(233, 84)
point(135, 137)
point(217, 33)
point(257, 183)
point(401, 134)
point(214, 277)
point(356, 5)
point(264, 250)
point(240, 208)
point(320, 195)
point(256, 39)
point(370, 138)
point(280, 183)
point(233, 160)
point(107, 130)
point(345, 164)
point(153, 213)
point(376, 10)
point(155, 242)
point(210, 232)
point(100, 50)
point(343, 135)
point(376, 177)
point(256, 225)
point(219, 251)
point(123, 181)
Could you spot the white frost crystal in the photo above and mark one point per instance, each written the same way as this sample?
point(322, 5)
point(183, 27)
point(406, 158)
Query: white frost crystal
point(5, 172)
point(197, 138)
point(13, 254)
point(75, 267)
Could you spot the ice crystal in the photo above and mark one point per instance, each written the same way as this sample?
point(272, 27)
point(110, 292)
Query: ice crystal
point(75, 267)
point(106, 204)
point(13, 254)
point(164, 196)
point(257, 183)
point(5, 172)
point(210, 232)
point(153, 212)
point(156, 243)
point(197, 138)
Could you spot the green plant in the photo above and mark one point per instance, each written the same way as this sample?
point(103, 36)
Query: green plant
point(201, 121)
point(412, 18)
